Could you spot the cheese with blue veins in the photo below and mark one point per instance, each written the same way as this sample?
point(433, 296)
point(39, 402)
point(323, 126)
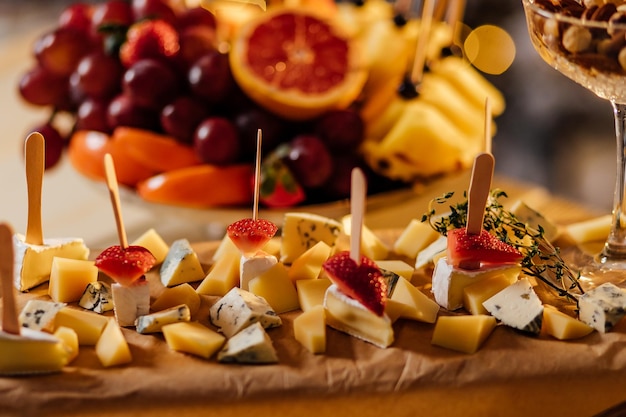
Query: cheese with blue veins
point(153, 323)
point(602, 307)
point(238, 309)
point(181, 265)
point(301, 231)
point(517, 306)
point(251, 345)
point(39, 314)
point(97, 297)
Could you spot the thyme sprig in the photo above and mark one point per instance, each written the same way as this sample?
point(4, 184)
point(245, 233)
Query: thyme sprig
point(541, 259)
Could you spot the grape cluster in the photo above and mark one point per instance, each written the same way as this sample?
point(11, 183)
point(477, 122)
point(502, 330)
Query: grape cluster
point(145, 64)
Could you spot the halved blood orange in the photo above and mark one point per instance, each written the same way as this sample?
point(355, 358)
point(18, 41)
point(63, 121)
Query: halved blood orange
point(296, 63)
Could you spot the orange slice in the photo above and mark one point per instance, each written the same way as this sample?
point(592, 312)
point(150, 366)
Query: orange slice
point(200, 186)
point(296, 63)
point(159, 152)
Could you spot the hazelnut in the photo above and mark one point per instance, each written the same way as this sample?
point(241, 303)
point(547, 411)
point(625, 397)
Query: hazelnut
point(576, 39)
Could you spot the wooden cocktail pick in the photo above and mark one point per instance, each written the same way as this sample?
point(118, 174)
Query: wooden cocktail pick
point(419, 59)
point(35, 155)
point(358, 193)
point(480, 185)
point(257, 175)
point(10, 322)
point(114, 193)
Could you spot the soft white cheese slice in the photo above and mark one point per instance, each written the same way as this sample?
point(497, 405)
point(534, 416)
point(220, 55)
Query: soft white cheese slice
point(238, 309)
point(97, 297)
point(350, 316)
point(33, 263)
point(602, 307)
point(517, 306)
point(251, 345)
point(39, 314)
point(251, 267)
point(449, 282)
point(130, 302)
point(153, 323)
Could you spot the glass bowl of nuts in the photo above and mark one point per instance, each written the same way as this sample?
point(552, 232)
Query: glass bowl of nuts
point(586, 42)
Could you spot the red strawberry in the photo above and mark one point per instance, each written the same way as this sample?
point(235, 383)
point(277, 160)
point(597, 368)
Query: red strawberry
point(484, 248)
point(363, 282)
point(250, 235)
point(125, 265)
point(278, 186)
point(155, 39)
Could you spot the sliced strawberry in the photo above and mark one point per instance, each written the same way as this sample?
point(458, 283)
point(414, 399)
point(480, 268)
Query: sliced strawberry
point(278, 187)
point(250, 235)
point(484, 248)
point(125, 266)
point(154, 39)
point(363, 282)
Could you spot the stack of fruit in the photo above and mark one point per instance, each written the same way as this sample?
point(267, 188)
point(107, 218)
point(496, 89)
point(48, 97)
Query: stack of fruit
point(177, 96)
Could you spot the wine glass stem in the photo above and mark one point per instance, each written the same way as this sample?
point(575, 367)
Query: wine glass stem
point(615, 247)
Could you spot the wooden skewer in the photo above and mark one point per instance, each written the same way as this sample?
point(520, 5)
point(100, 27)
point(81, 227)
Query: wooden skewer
point(114, 193)
point(10, 322)
point(35, 155)
point(358, 192)
point(454, 14)
point(488, 122)
point(419, 60)
point(257, 175)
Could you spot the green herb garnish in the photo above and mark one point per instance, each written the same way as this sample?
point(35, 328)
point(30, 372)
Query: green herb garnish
point(541, 259)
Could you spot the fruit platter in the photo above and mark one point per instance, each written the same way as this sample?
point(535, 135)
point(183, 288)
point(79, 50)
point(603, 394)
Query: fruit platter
point(177, 94)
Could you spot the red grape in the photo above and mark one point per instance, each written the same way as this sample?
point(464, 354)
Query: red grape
point(210, 77)
point(181, 117)
point(112, 13)
point(249, 121)
point(92, 115)
point(153, 9)
point(309, 160)
point(60, 50)
point(97, 75)
point(77, 17)
point(216, 141)
point(196, 16)
point(123, 111)
point(341, 130)
point(195, 42)
point(53, 144)
point(150, 83)
point(40, 87)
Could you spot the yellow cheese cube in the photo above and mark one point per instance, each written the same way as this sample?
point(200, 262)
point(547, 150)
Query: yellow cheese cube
point(180, 294)
point(475, 294)
point(303, 230)
point(275, 286)
point(311, 292)
point(309, 329)
point(309, 264)
point(561, 326)
point(152, 241)
point(463, 333)
point(596, 229)
point(398, 267)
point(371, 245)
point(112, 348)
point(222, 277)
point(181, 265)
point(419, 306)
point(87, 325)
point(395, 310)
point(32, 351)
point(414, 238)
point(193, 338)
point(69, 339)
point(69, 278)
point(273, 246)
point(226, 246)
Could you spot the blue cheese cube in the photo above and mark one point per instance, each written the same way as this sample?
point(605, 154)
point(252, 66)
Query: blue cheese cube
point(181, 265)
point(153, 323)
point(238, 309)
point(251, 345)
point(39, 314)
point(602, 307)
point(517, 306)
point(97, 297)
